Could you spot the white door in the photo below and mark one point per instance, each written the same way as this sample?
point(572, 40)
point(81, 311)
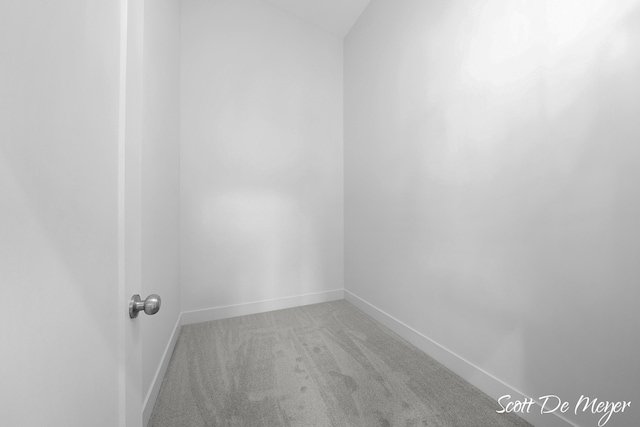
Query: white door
point(69, 213)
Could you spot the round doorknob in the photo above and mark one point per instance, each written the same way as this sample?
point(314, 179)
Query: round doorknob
point(151, 305)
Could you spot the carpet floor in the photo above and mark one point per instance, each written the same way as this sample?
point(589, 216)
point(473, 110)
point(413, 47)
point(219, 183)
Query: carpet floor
point(320, 365)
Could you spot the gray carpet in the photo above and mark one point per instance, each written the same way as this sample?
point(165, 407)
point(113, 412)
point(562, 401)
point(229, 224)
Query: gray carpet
point(320, 365)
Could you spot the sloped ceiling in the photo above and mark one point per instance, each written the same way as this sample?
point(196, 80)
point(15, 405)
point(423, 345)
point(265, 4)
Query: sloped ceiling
point(334, 16)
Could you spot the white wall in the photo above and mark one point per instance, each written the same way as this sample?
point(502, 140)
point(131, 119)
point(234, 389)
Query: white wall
point(160, 180)
point(261, 155)
point(492, 181)
point(58, 213)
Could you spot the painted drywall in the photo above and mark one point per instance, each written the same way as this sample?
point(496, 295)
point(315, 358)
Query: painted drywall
point(160, 171)
point(491, 186)
point(261, 155)
point(58, 213)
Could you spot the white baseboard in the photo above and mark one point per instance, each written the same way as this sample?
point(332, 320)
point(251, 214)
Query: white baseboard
point(152, 394)
point(479, 378)
point(216, 313)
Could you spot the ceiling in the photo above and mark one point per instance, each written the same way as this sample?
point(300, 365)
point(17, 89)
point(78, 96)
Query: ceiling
point(334, 16)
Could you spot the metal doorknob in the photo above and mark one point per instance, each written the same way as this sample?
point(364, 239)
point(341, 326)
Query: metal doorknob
point(151, 305)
